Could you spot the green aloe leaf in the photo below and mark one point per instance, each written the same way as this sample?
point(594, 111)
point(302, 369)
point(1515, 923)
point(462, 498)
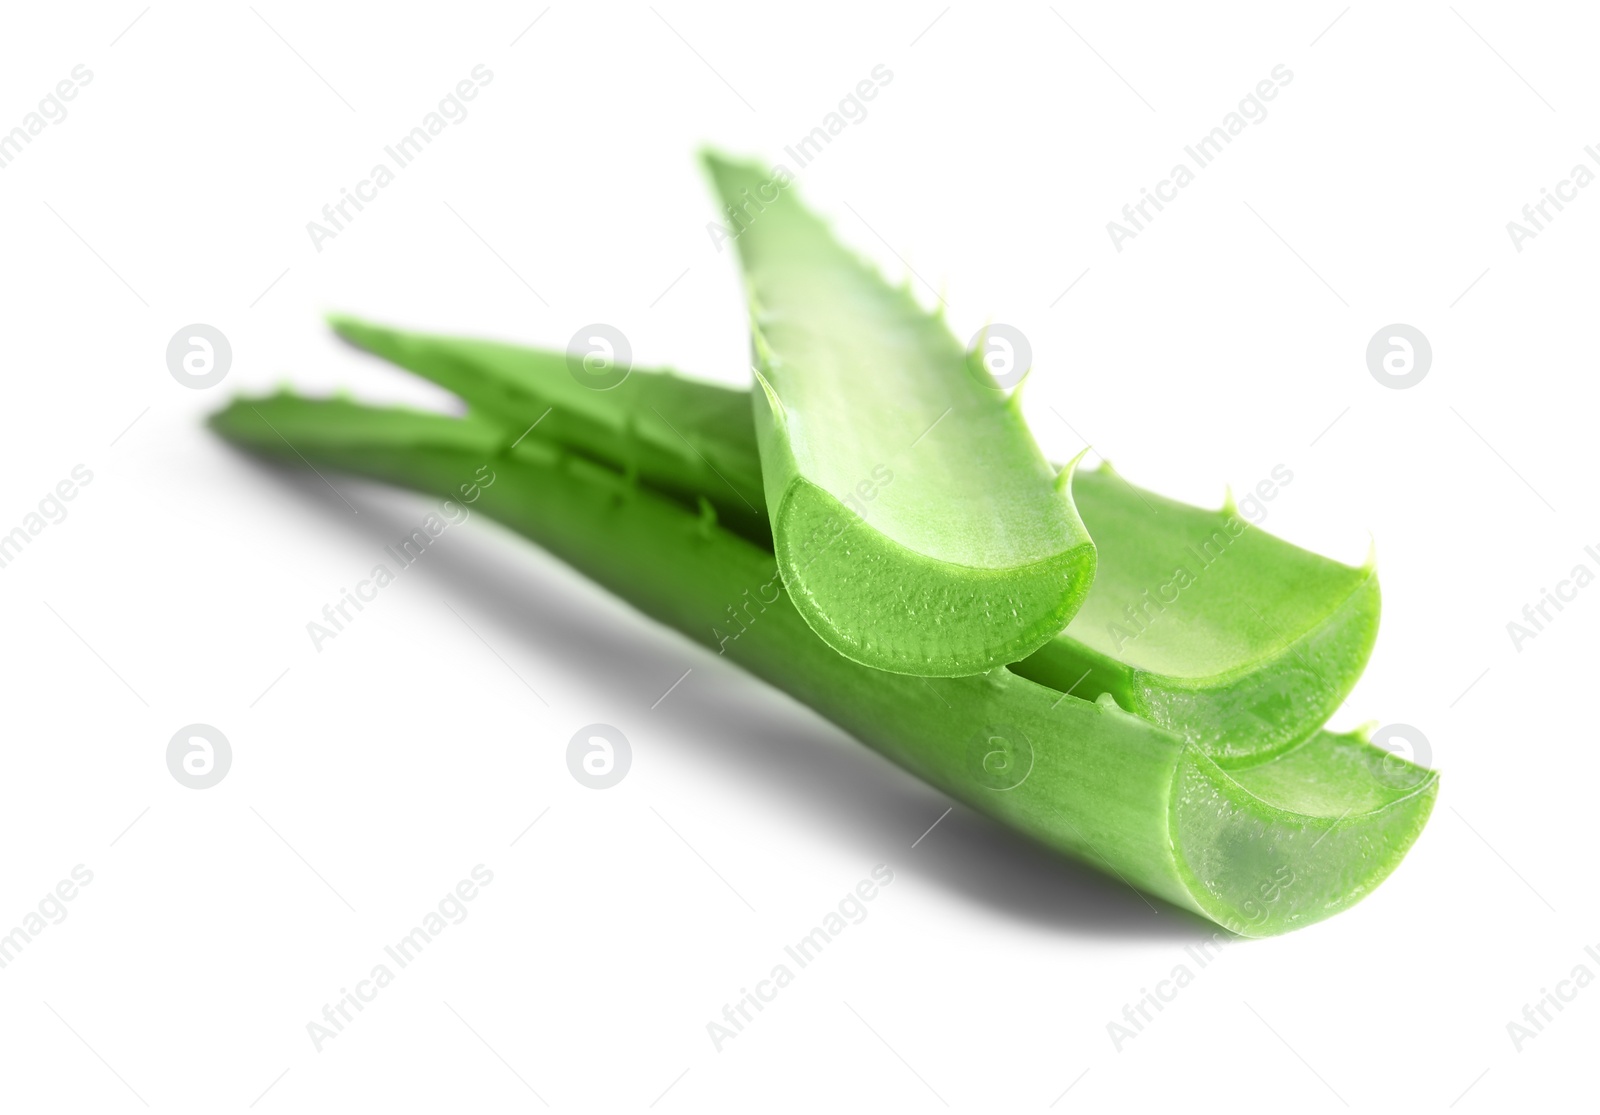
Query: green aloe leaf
point(1261, 849)
point(688, 436)
point(916, 524)
point(1209, 626)
point(1238, 641)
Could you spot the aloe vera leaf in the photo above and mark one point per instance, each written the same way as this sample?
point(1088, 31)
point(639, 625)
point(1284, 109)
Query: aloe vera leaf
point(1249, 657)
point(688, 436)
point(1206, 625)
point(1259, 851)
point(917, 526)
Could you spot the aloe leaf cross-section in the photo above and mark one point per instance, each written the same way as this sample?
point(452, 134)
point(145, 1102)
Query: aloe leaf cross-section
point(917, 526)
point(1208, 625)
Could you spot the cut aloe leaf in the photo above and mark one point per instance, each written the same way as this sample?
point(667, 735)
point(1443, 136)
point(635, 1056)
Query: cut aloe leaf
point(1253, 646)
point(688, 436)
point(1209, 626)
point(916, 524)
point(1271, 847)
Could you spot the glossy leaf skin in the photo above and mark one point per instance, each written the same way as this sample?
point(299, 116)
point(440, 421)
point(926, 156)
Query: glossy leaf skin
point(688, 436)
point(1259, 851)
point(1209, 626)
point(1246, 653)
point(916, 524)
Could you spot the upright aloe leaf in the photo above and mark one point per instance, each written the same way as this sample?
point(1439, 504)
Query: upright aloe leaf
point(1238, 641)
point(916, 524)
point(1280, 844)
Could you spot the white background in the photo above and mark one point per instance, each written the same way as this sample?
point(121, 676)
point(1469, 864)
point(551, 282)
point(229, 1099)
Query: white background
point(369, 778)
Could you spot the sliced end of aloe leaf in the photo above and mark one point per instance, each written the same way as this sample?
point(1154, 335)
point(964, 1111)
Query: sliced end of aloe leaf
point(1298, 838)
point(929, 617)
point(1266, 705)
point(1203, 623)
point(1186, 592)
point(910, 506)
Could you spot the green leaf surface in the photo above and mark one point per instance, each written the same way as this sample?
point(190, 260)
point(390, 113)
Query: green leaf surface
point(1244, 654)
point(1210, 626)
point(1265, 848)
point(917, 525)
point(689, 436)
